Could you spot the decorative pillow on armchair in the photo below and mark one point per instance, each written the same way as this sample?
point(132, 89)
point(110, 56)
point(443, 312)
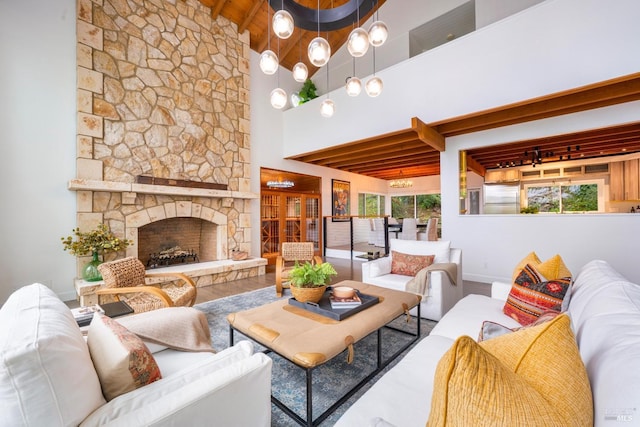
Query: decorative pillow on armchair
point(532, 294)
point(123, 362)
point(409, 265)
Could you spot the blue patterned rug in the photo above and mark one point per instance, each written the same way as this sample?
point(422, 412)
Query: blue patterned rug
point(330, 381)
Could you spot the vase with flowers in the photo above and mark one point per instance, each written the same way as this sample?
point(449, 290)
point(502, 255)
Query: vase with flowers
point(94, 243)
point(308, 281)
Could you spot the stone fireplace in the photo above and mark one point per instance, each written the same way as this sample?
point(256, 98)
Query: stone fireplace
point(163, 93)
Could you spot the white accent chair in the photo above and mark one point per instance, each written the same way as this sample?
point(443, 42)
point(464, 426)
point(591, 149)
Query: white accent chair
point(47, 376)
point(442, 292)
point(378, 224)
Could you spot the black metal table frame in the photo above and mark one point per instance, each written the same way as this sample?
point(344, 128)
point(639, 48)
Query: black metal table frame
point(380, 365)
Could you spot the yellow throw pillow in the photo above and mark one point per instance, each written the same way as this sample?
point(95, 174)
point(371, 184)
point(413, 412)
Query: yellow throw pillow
point(551, 269)
point(532, 259)
point(533, 376)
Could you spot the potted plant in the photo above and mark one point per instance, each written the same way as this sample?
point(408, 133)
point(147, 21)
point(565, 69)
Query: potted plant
point(308, 91)
point(308, 281)
point(96, 243)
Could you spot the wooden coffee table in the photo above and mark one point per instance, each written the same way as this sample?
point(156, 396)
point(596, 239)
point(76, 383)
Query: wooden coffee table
point(309, 339)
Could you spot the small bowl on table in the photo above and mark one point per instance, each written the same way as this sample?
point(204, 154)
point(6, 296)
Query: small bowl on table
point(343, 292)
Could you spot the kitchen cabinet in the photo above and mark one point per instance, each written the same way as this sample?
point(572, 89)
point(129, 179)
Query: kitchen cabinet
point(624, 180)
point(288, 217)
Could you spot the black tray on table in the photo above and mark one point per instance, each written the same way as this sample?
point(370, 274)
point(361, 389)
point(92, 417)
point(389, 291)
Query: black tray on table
point(324, 306)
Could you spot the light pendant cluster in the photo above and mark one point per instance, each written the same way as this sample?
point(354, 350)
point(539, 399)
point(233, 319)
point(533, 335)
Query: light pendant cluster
point(319, 51)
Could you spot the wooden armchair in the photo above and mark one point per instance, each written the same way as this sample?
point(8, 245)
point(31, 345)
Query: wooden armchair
point(292, 252)
point(125, 279)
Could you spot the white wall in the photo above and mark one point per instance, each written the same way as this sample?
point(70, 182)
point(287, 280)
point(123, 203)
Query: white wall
point(37, 143)
point(550, 47)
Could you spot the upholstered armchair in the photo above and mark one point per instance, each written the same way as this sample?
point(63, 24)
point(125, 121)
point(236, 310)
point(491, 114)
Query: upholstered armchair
point(440, 283)
point(126, 280)
point(291, 253)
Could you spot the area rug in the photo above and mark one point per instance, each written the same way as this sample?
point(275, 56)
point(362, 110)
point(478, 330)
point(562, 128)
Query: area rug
point(330, 381)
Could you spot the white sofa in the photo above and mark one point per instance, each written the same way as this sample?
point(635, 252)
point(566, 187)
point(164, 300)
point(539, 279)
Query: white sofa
point(442, 293)
point(47, 376)
point(604, 309)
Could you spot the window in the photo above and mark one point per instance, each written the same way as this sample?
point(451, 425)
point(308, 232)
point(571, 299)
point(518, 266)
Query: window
point(370, 204)
point(420, 206)
point(564, 197)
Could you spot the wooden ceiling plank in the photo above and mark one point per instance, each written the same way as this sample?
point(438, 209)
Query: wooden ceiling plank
point(249, 16)
point(216, 6)
point(428, 135)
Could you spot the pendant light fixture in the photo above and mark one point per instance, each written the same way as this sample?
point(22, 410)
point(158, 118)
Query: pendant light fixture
point(354, 85)
point(378, 32)
point(319, 49)
point(358, 41)
point(278, 96)
point(282, 23)
point(374, 84)
point(300, 70)
point(327, 108)
point(268, 59)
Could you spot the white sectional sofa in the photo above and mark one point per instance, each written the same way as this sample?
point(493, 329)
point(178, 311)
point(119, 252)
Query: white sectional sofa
point(47, 376)
point(442, 293)
point(604, 310)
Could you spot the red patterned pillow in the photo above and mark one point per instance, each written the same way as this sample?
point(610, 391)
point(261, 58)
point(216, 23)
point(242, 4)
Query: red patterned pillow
point(532, 294)
point(123, 362)
point(409, 265)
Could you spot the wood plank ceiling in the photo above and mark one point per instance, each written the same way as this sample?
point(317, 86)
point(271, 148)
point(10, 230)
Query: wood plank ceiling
point(415, 151)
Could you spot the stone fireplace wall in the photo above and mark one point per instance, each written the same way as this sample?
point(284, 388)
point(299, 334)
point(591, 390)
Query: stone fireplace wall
point(162, 92)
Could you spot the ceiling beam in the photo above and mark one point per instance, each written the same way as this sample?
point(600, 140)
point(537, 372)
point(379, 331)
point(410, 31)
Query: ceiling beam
point(249, 16)
point(428, 135)
point(215, 5)
point(601, 94)
point(475, 166)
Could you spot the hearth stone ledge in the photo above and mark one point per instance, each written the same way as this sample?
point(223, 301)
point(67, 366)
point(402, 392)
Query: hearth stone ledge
point(203, 274)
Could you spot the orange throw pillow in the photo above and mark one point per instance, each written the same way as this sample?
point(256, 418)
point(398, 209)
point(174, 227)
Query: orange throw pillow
point(409, 265)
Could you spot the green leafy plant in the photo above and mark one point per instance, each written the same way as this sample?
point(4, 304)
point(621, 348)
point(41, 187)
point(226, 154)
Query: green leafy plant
point(308, 91)
point(310, 275)
point(99, 240)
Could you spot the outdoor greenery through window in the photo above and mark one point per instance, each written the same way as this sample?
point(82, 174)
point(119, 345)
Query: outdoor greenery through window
point(370, 204)
point(420, 206)
point(562, 198)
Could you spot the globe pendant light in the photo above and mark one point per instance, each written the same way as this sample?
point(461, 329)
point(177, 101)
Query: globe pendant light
point(283, 24)
point(268, 59)
point(319, 50)
point(327, 108)
point(358, 42)
point(278, 98)
point(378, 33)
point(354, 85)
point(374, 86)
point(269, 62)
point(300, 72)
